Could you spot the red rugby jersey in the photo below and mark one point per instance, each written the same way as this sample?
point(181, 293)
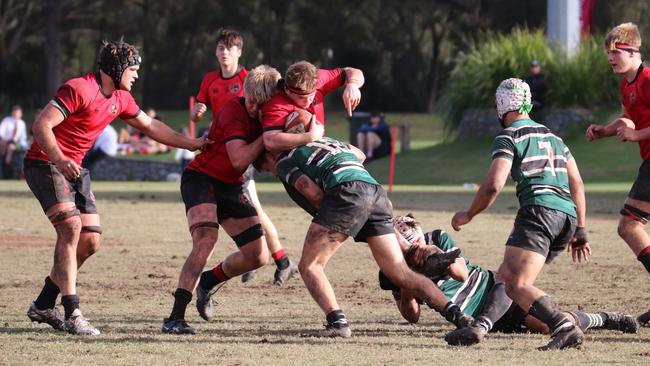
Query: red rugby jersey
point(233, 122)
point(635, 97)
point(280, 106)
point(215, 91)
point(86, 113)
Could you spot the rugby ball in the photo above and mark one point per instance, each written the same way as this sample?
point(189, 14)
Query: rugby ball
point(297, 121)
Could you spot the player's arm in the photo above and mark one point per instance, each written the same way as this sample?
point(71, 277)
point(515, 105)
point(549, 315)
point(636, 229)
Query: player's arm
point(243, 154)
point(458, 270)
point(596, 131)
point(160, 132)
point(309, 189)
point(354, 80)
point(277, 140)
point(487, 193)
point(408, 306)
point(579, 247)
point(42, 128)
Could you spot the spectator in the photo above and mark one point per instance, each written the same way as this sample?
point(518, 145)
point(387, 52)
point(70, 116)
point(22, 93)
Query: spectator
point(105, 145)
point(537, 83)
point(184, 156)
point(13, 137)
point(374, 138)
point(132, 141)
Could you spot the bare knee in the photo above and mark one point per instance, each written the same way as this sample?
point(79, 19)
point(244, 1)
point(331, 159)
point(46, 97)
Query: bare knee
point(68, 228)
point(90, 242)
point(258, 257)
point(626, 227)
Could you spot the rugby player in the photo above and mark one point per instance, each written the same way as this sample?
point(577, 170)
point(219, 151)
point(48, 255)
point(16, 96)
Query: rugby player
point(63, 132)
point(633, 124)
point(552, 213)
point(212, 187)
point(476, 291)
point(218, 87)
point(304, 87)
point(328, 180)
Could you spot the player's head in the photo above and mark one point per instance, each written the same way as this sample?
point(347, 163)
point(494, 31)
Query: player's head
point(265, 162)
point(512, 95)
point(623, 44)
point(229, 47)
point(300, 83)
point(259, 86)
point(409, 229)
point(121, 61)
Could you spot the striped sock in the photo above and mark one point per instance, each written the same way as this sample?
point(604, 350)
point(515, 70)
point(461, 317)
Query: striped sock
point(588, 320)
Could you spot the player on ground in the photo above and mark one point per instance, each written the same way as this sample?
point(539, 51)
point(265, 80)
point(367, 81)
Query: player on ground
point(304, 87)
point(213, 192)
point(478, 294)
point(551, 196)
point(63, 132)
point(217, 88)
point(327, 179)
point(633, 124)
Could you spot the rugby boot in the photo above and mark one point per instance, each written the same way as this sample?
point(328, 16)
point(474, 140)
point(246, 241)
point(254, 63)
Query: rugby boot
point(177, 326)
point(644, 319)
point(204, 303)
point(454, 315)
point(50, 316)
point(339, 328)
point(567, 337)
point(248, 276)
point(465, 336)
point(281, 276)
point(77, 324)
point(623, 322)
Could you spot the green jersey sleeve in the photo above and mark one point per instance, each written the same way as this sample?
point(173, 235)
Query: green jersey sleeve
point(503, 147)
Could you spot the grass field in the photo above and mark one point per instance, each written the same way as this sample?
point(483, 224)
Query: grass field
point(126, 288)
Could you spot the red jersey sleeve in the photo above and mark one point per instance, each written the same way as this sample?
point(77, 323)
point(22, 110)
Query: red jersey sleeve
point(203, 96)
point(232, 120)
point(130, 108)
point(329, 80)
point(68, 99)
point(644, 87)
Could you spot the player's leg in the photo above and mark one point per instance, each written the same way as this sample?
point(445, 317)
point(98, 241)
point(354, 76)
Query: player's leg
point(249, 238)
point(388, 255)
point(91, 229)
point(584, 321)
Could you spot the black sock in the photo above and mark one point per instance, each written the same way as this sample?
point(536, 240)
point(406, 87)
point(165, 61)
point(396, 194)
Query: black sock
point(182, 297)
point(208, 280)
point(337, 318)
point(283, 262)
point(547, 311)
point(70, 304)
point(496, 304)
point(452, 313)
point(47, 298)
point(645, 260)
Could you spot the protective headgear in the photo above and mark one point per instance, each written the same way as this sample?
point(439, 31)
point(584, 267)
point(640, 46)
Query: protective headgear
point(115, 57)
point(513, 95)
point(408, 228)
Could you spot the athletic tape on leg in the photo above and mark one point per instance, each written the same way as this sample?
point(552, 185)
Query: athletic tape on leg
point(91, 229)
point(252, 233)
point(203, 224)
point(635, 213)
point(60, 216)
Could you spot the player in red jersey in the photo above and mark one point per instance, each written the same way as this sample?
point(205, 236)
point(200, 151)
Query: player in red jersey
point(633, 124)
point(63, 132)
point(218, 87)
point(213, 190)
point(304, 86)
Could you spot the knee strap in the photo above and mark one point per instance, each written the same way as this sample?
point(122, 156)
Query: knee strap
point(91, 229)
point(252, 233)
point(60, 216)
point(203, 224)
point(635, 213)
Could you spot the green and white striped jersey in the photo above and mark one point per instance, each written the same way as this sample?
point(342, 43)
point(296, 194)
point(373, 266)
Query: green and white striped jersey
point(539, 165)
point(471, 294)
point(326, 161)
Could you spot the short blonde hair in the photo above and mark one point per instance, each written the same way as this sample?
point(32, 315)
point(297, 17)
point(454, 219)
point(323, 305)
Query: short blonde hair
point(626, 33)
point(260, 83)
point(302, 75)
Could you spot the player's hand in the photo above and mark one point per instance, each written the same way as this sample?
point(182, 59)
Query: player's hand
point(200, 143)
point(579, 246)
point(70, 169)
point(627, 134)
point(460, 218)
point(423, 252)
point(351, 97)
point(198, 111)
point(316, 129)
point(594, 132)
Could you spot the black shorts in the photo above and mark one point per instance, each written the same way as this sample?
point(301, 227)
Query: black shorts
point(641, 187)
point(356, 209)
point(231, 199)
point(512, 321)
point(542, 230)
point(51, 187)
